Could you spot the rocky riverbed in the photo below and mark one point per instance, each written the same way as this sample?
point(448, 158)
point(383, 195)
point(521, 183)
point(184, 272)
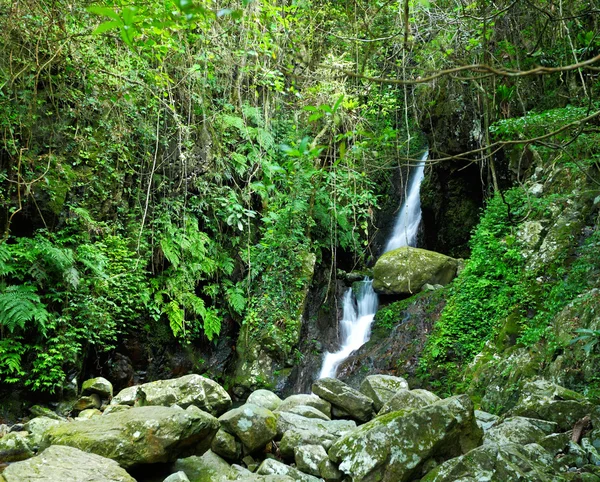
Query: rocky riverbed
point(186, 429)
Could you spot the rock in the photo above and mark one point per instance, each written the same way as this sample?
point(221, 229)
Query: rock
point(184, 391)
point(225, 445)
point(329, 471)
point(592, 453)
point(87, 402)
point(337, 412)
point(344, 396)
point(296, 437)
point(177, 477)
point(381, 388)
point(100, 386)
point(206, 468)
point(88, 413)
point(486, 420)
point(544, 400)
point(241, 473)
point(556, 443)
point(287, 421)
point(311, 400)
point(408, 400)
point(405, 270)
point(255, 426)
point(14, 447)
point(39, 411)
point(575, 456)
point(518, 430)
point(116, 408)
point(265, 398)
point(308, 412)
point(394, 447)
point(496, 463)
point(308, 458)
point(59, 463)
point(142, 435)
point(273, 467)
point(536, 190)
point(37, 427)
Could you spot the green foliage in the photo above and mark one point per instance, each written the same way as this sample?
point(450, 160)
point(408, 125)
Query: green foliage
point(20, 305)
point(487, 291)
point(589, 337)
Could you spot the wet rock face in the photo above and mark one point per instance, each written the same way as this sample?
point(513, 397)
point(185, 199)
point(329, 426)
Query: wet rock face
point(255, 426)
point(351, 401)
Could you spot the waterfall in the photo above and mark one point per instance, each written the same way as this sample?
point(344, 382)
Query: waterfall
point(358, 309)
point(409, 217)
point(358, 312)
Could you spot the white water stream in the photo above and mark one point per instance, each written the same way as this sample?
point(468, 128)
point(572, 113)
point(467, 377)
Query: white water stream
point(358, 310)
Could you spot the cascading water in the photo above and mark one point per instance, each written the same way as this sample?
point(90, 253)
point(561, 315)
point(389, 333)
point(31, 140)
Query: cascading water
point(409, 217)
point(358, 310)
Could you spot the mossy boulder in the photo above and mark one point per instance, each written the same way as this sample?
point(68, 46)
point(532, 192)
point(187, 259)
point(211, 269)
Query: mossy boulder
point(311, 400)
point(60, 463)
point(206, 468)
point(394, 447)
point(255, 426)
point(309, 457)
point(495, 463)
point(226, 445)
point(381, 388)
point(141, 435)
point(274, 467)
point(310, 436)
point(288, 421)
point(408, 400)
point(265, 398)
point(15, 446)
point(519, 430)
point(193, 389)
point(339, 394)
point(99, 385)
point(405, 270)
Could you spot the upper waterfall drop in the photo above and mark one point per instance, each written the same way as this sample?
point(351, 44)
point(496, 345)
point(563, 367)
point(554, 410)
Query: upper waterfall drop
point(358, 309)
point(409, 218)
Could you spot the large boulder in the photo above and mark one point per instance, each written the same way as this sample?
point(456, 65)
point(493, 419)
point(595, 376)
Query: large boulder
point(192, 389)
point(37, 427)
point(255, 426)
point(309, 457)
point(99, 385)
point(274, 467)
point(357, 405)
point(141, 435)
point(226, 445)
point(15, 446)
point(206, 468)
point(394, 447)
point(265, 398)
point(60, 463)
point(311, 400)
point(519, 430)
point(288, 421)
point(380, 388)
point(545, 400)
point(405, 270)
point(407, 400)
point(495, 463)
point(297, 437)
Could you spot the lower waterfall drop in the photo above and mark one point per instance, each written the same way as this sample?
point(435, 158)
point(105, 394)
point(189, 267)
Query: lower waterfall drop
point(358, 309)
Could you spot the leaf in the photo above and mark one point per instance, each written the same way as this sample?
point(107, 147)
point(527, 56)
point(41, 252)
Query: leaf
point(106, 11)
point(106, 26)
point(338, 103)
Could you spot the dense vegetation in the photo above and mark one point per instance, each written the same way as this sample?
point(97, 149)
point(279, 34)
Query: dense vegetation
point(165, 167)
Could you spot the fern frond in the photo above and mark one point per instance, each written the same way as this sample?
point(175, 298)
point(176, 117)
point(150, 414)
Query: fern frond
point(211, 323)
point(19, 305)
point(175, 315)
point(5, 257)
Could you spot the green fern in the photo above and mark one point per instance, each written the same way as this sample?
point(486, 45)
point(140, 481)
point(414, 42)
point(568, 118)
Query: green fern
point(212, 323)
point(11, 353)
point(19, 305)
point(5, 257)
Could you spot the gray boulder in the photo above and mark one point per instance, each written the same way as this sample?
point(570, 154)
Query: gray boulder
point(226, 445)
point(494, 463)
point(265, 398)
point(311, 400)
point(336, 392)
point(37, 427)
point(308, 412)
point(519, 430)
point(142, 435)
point(59, 463)
point(308, 458)
point(187, 390)
point(486, 420)
point(206, 468)
point(177, 477)
point(100, 386)
point(287, 421)
point(273, 467)
point(296, 437)
point(407, 400)
point(394, 447)
point(381, 388)
point(255, 426)
point(15, 446)
point(405, 270)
